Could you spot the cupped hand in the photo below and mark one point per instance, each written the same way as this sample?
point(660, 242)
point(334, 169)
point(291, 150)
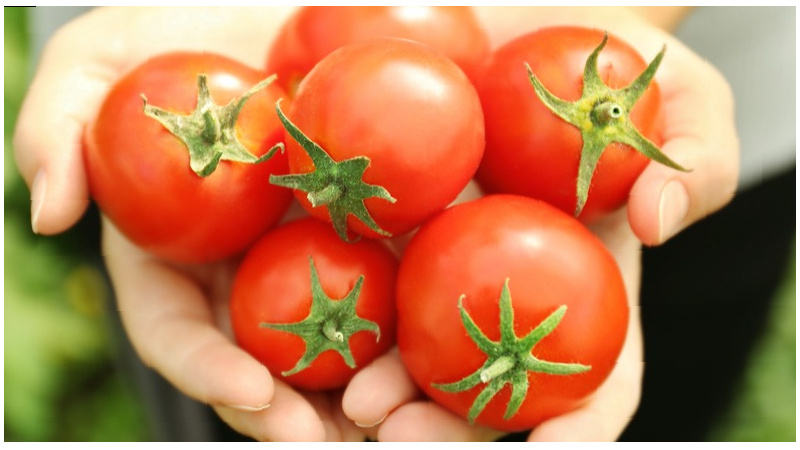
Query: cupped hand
point(699, 133)
point(177, 319)
point(175, 316)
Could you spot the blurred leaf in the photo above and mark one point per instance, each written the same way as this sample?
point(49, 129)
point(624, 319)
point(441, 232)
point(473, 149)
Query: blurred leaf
point(45, 337)
point(16, 63)
point(765, 409)
point(59, 378)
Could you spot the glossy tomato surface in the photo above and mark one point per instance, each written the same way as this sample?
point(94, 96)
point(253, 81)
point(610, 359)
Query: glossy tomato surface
point(529, 150)
point(315, 31)
point(139, 172)
point(405, 107)
point(273, 285)
point(550, 260)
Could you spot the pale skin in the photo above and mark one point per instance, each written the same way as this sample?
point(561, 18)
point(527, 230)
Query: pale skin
point(176, 317)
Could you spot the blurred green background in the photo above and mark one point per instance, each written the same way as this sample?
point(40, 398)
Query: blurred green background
point(62, 381)
point(63, 377)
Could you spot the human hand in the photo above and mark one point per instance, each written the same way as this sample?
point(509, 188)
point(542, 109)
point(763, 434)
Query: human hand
point(699, 133)
point(175, 316)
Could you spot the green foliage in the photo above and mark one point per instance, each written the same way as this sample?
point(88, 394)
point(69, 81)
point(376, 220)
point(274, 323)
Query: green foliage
point(765, 409)
point(59, 378)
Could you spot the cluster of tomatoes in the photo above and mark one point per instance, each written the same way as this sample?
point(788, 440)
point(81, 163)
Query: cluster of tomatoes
point(506, 309)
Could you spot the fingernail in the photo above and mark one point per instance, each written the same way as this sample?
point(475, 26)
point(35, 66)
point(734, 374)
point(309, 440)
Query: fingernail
point(370, 425)
point(38, 189)
point(672, 210)
point(246, 408)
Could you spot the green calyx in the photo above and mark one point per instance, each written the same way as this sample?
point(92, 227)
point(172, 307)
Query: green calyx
point(602, 115)
point(329, 325)
point(337, 185)
point(509, 360)
point(209, 132)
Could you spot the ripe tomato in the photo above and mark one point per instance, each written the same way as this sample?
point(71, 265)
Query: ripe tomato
point(315, 31)
point(532, 151)
point(514, 264)
point(139, 171)
point(275, 286)
point(391, 131)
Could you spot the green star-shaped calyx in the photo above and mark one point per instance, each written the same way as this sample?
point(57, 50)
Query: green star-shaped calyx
point(209, 132)
point(508, 360)
point(602, 115)
point(329, 325)
point(337, 185)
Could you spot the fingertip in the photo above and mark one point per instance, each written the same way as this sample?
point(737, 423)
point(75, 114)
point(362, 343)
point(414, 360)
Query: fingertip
point(378, 389)
point(577, 428)
point(252, 389)
point(426, 421)
point(58, 200)
point(658, 209)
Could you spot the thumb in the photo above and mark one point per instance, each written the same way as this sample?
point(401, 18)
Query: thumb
point(700, 134)
point(62, 98)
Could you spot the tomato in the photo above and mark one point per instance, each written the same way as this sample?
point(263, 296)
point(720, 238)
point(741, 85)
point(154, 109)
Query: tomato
point(303, 267)
point(315, 31)
point(141, 176)
point(511, 263)
point(382, 135)
point(532, 151)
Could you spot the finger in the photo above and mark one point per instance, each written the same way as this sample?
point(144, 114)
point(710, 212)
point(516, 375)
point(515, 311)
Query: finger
point(378, 389)
point(48, 137)
point(338, 428)
point(700, 135)
point(289, 418)
point(426, 421)
point(172, 327)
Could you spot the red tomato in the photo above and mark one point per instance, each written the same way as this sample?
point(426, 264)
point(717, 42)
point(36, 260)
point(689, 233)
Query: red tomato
point(396, 111)
point(531, 151)
point(315, 31)
point(274, 286)
point(139, 172)
point(548, 260)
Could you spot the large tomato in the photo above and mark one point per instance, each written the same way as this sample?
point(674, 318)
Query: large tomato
point(140, 173)
point(312, 308)
point(532, 151)
point(382, 135)
point(485, 273)
point(315, 31)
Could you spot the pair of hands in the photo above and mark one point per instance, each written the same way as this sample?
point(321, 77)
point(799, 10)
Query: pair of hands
point(177, 317)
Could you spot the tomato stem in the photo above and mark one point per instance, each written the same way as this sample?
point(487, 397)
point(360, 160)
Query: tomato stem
point(209, 132)
point(329, 329)
point(325, 196)
point(502, 365)
point(329, 325)
point(602, 115)
point(606, 112)
point(338, 185)
point(509, 360)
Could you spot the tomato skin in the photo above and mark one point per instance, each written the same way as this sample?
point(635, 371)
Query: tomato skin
point(550, 260)
point(139, 172)
point(272, 285)
point(315, 31)
point(529, 150)
point(407, 108)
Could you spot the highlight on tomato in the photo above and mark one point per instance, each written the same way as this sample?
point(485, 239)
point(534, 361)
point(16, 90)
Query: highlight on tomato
point(381, 135)
point(312, 308)
point(510, 311)
point(180, 152)
point(573, 116)
point(313, 32)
